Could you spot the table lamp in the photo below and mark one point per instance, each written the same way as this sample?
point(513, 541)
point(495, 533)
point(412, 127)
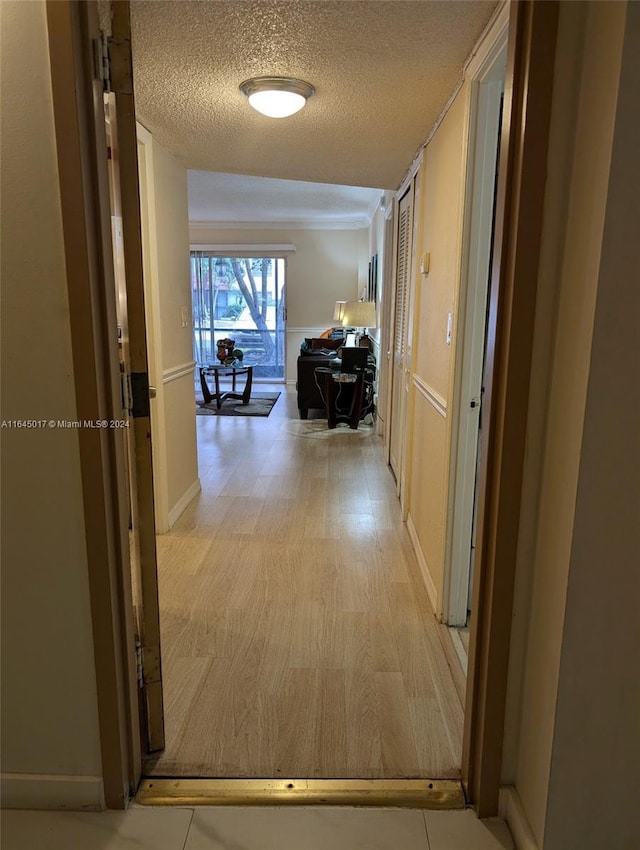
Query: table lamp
point(360, 315)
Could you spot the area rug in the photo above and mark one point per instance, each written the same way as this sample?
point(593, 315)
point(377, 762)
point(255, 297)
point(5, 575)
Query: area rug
point(317, 429)
point(261, 404)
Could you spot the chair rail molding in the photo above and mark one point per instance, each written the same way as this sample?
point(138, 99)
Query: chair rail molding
point(316, 329)
point(434, 398)
point(176, 372)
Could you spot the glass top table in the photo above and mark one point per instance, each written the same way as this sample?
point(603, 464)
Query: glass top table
point(218, 371)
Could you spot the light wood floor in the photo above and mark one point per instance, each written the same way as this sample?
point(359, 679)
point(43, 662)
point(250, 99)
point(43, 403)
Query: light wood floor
point(297, 636)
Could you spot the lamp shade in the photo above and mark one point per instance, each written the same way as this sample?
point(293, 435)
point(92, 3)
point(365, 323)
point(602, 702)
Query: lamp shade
point(359, 314)
point(338, 312)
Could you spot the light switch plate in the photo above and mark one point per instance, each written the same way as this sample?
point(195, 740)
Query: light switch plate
point(449, 328)
point(184, 317)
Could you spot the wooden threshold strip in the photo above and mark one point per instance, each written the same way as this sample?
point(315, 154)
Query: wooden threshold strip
point(408, 793)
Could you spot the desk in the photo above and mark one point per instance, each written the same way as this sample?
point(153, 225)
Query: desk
point(233, 371)
point(334, 382)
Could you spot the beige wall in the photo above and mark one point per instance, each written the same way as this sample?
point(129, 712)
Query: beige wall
point(327, 266)
point(579, 702)
point(599, 689)
point(167, 293)
point(438, 231)
point(172, 237)
point(590, 41)
point(49, 708)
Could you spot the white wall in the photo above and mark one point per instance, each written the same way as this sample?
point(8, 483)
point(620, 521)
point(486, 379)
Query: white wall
point(164, 205)
point(327, 266)
point(50, 744)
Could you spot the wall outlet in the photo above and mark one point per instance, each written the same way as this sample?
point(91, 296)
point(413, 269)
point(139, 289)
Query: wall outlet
point(184, 317)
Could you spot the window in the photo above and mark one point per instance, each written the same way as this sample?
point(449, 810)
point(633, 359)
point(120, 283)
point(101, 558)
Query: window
point(240, 298)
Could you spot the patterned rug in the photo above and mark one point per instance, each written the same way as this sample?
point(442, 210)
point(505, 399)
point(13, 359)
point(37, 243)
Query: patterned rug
point(317, 429)
point(261, 404)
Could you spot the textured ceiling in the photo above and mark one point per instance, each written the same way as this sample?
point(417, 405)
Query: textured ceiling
point(383, 70)
point(228, 198)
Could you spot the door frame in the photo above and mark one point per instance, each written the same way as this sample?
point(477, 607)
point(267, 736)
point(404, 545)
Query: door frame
point(154, 324)
point(528, 89)
point(140, 495)
point(529, 83)
point(86, 221)
point(486, 74)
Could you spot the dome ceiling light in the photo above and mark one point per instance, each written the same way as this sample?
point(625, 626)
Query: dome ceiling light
point(277, 97)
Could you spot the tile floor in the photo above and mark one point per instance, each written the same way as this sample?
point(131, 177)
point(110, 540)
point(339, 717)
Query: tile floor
point(268, 828)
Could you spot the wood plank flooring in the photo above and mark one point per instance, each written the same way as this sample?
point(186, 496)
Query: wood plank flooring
point(297, 636)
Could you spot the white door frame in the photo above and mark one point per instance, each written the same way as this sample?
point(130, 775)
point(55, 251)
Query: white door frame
point(486, 72)
point(154, 342)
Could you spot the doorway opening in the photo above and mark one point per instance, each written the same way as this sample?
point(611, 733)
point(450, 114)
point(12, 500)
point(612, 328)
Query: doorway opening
point(482, 752)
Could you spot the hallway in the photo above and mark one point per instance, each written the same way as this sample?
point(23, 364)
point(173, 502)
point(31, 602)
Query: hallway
point(297, 636)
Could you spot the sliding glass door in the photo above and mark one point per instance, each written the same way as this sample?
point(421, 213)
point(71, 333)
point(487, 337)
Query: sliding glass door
point(243, 299)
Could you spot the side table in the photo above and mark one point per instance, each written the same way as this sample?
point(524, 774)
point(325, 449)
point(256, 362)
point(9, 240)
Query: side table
point(334, 381)
point(217, 372)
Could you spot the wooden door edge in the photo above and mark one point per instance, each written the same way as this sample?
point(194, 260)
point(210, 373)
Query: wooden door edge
point(520, 197)
point(86, 236)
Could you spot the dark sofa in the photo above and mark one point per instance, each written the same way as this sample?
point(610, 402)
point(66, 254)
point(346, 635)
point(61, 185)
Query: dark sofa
point(321, 352)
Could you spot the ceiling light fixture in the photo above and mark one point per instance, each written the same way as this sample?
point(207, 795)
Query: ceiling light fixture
point(277, 97)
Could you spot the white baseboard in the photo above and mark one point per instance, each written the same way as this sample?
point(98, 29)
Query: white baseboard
point(177, 510)
point(424, 569)
point(512, 811)
point(49, 791)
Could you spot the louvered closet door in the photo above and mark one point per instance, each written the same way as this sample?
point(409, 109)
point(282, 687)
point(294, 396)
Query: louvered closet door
point(399, 388)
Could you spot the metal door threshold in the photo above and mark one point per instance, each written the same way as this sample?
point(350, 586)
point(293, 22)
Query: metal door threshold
point(409, 793)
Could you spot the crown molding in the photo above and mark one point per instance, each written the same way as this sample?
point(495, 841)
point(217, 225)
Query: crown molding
point(491, 40)
point(245, 249)
point(360, 223)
